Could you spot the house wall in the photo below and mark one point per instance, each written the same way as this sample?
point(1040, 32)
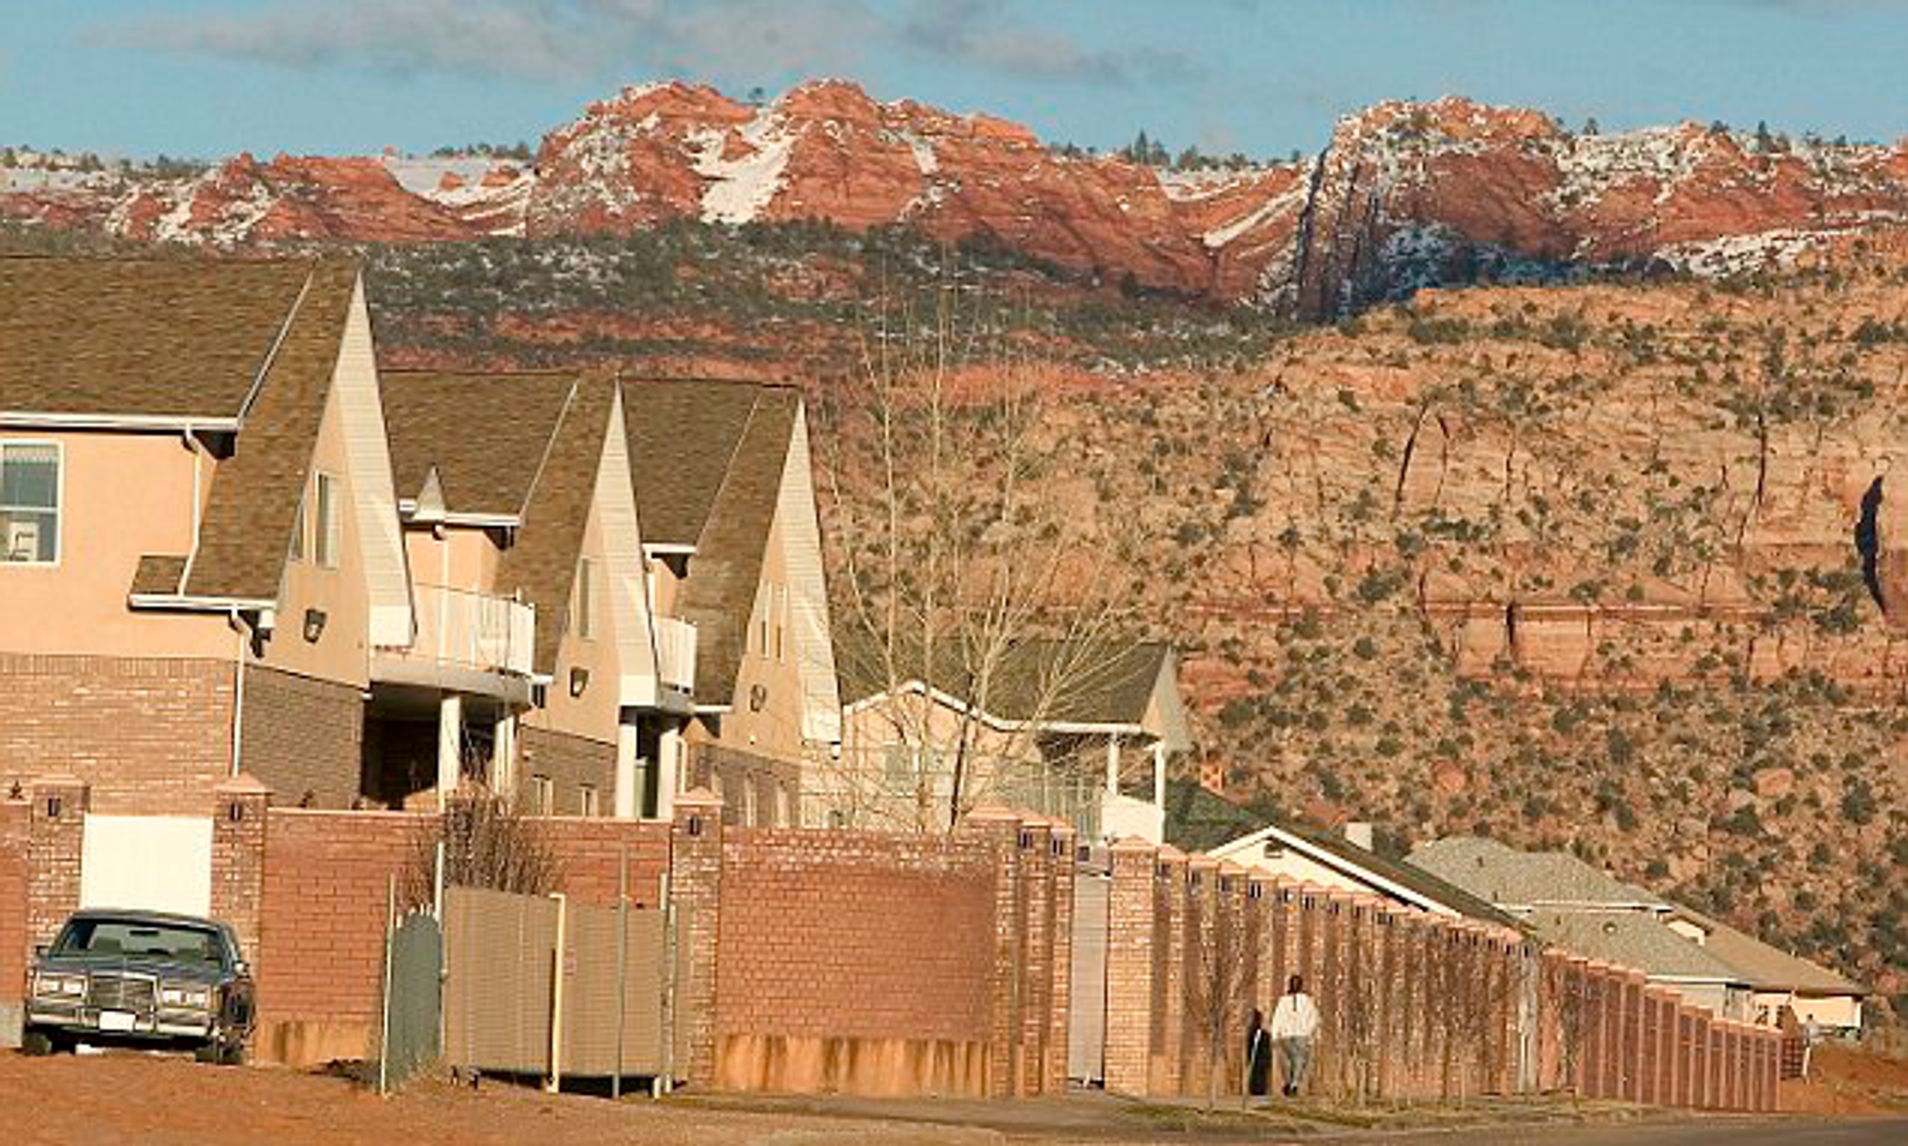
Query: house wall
point(857, 783)
point(595, 714)
point(303, 737)
point(463, 558)
point(147, 734)
point(14, 944)
point(570, 762)
point(1843, 1011)
point(342, 651)
point(775, 729)
point(123, 495)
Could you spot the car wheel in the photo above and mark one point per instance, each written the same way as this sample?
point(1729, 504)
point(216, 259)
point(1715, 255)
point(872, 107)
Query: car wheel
point(233, 1055)
point(38, 1044)
point(209, 1052)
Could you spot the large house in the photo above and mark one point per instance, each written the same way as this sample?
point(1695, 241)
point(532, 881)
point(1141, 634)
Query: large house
point(1592, 914)
point(725, 497)
point(1080, 730)
point(201, 545)
point(1347, 861)
point(230, 546)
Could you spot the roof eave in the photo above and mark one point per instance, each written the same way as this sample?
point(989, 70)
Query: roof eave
point(168, 423)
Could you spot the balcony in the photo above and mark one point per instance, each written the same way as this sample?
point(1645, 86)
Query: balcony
point(465, 640)
point(672, 688)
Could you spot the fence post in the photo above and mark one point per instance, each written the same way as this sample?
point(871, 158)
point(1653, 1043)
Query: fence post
point(555, 1082)
point(384, 1002)
point(622, 965)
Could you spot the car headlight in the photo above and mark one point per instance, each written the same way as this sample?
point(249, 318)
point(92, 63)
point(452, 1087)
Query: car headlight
point(184, 996)
point(59, 986)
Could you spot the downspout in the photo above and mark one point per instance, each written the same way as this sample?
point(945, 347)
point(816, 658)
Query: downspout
point(238, 691)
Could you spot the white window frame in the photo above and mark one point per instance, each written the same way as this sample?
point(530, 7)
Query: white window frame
point(542, 795)
point(589, 801)
point(327, 530)
point(59, 501)
point(300, 545)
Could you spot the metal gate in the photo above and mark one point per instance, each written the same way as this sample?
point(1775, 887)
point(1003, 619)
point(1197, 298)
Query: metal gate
point(413, 983)
point(538, 986)
point(1086, 1040)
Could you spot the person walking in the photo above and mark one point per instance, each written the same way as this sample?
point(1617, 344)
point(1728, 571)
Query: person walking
point(1258, 1056)
point(1294, 1024)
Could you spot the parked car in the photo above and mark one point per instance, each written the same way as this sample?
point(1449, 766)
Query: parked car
point(141, 978)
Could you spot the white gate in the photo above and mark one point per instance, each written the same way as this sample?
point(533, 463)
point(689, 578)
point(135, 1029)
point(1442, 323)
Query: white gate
point(156, 863)
point(1086, 1041)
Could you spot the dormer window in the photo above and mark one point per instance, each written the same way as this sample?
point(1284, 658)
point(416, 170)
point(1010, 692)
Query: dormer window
point(324, 525)
point(30, 503)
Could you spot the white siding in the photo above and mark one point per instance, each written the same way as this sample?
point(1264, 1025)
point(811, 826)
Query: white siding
point(809, 624)
point(627, 575)
point(380, 536)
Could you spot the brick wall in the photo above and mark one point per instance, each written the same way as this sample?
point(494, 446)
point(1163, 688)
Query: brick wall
point(148, 735)
point(303, 738)
point(570, 762)
point(588, 852)
point(1412, 1006)
point(854, 934)
point(756, 791)
point(13, 900)
point(321, 928)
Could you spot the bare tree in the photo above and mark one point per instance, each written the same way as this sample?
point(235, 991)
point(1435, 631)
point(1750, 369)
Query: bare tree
point(1222, 969)
point(487, 843)
point(972, 574)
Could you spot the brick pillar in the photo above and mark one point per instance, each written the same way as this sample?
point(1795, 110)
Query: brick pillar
point(1411, 929)
point(695, 889)
point(1239, 940)
point(1650, 1030)
point(1633, 1036)
point(1682, 1092)
point(1000, 831)
point(1036, 976)
point(1169, 930)
point(1130, 950)
point(56, 828)
point(1204, 976)
point(1060, 983)
point(239, 808)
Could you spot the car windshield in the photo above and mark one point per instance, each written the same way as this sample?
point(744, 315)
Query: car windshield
point(141, 939)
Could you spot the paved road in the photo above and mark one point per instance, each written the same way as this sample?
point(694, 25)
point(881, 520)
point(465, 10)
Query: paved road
point(1715, 1132)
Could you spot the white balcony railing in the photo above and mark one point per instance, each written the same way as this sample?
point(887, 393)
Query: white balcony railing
point(675, 655)
point(469, 630)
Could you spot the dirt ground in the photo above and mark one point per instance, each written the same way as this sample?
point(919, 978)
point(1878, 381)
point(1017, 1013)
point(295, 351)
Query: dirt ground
point(1844, 1080)
point(152, 1100)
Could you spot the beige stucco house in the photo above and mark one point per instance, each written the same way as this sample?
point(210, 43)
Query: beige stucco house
point(1081, 730)
point(540, 667)
point(725, 496)
point(201, 549)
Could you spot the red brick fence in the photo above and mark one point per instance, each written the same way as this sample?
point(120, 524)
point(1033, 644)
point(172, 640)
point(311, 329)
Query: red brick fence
point(812, 959)
point(1413, 1006)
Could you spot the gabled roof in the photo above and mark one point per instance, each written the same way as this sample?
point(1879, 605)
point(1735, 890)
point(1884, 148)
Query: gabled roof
point(175, 339)
point(542, 564)
point(245, 534)
point(223, 344)
point(1102, 682)
point(1633, 939)
point(1502, 875)
point(684, 436)
point(483, 436)
point(707, 459)
point(1764, 967)
point(1389, 876)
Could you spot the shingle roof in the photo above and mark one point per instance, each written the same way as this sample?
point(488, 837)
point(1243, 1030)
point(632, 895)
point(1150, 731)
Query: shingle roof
point(1396, 871)
point(1633, 939)
point(1503, 875)
point(683, 438)
point(1101, 681)
point(543, 562)
point(245, 534)
point(1766, 967)
point(484, 434)
point(182, 338)
point(732, 539)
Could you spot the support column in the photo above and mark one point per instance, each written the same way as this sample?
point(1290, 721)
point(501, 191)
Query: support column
point(239, 809)
point(450, 741)
point(503, 756)
point(1113, 765)
point(668, 771)
point(695, 891)
point(628, 775)
point(55, 829)
point(1130, 967)
point(1159, 774)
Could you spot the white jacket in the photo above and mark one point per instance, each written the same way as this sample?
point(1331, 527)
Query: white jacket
point(1295, 1017)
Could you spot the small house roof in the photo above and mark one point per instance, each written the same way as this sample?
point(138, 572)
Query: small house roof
point(484, 436)
point(1502, 875)
point(1763, 966)
point(1633, 939)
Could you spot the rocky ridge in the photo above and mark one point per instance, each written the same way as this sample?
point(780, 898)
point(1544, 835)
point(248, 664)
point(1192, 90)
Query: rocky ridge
point(1404, 196)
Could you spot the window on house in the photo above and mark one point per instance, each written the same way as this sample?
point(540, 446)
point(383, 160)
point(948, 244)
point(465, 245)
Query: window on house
point(298, 546)
point(325, 542)
point(582, 602)
point(30, 502)
point(781, 621)
point(542, 795)
point(587, 801)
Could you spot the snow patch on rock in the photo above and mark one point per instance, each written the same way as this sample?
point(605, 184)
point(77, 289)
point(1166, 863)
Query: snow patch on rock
point(741, 187)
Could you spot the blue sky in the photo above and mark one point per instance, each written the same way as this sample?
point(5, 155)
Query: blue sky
point(211, 77)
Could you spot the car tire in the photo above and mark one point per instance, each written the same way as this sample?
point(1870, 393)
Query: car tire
point(37, 1044)
point(232, 1055)
point(210, 1053)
